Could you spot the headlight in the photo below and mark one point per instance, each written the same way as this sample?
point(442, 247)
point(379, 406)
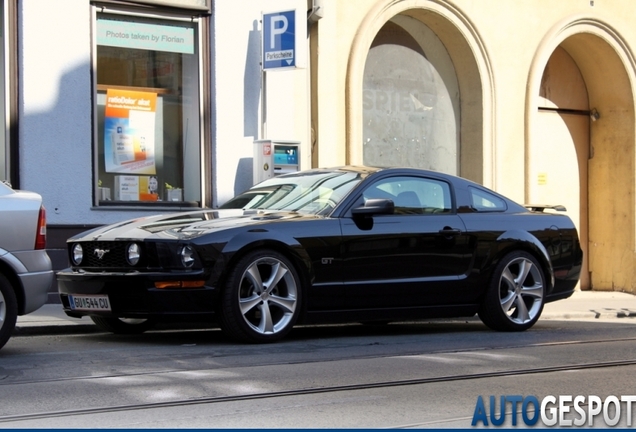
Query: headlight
point(132, 254)
point(187, 256)
point(78, 254)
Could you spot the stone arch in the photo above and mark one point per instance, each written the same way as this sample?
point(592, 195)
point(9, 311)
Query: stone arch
point(474, 76)
point(609, 71)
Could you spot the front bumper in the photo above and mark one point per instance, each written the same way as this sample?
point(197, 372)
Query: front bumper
point(134, 295)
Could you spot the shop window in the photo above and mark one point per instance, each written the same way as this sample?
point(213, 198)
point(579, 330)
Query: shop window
point(148, 146)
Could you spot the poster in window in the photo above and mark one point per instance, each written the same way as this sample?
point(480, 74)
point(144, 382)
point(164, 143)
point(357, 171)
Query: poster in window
point(129, 132)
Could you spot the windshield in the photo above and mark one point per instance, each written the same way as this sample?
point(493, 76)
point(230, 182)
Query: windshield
point(310, 192)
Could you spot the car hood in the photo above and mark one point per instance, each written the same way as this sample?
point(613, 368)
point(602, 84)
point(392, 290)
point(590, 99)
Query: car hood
point(184, 226)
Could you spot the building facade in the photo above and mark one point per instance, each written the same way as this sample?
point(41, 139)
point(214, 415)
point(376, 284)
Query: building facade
point(119, 109)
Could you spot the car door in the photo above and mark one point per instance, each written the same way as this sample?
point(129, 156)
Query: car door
point(413, 257)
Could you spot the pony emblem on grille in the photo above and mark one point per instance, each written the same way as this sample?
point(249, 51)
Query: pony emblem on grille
point(100, 252)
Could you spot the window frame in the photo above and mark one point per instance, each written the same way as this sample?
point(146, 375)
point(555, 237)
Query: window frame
point(9, 62)
point(200, 20)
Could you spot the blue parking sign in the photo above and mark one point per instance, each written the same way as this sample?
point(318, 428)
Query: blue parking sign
point(279, 40)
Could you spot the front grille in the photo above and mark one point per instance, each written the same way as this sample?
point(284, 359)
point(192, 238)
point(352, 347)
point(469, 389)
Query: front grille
point(113, 255)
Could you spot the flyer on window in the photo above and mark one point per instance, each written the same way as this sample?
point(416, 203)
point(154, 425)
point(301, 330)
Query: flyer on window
point(129, 132)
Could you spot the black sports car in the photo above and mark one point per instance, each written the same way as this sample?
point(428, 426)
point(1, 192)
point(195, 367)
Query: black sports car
point(350, 244)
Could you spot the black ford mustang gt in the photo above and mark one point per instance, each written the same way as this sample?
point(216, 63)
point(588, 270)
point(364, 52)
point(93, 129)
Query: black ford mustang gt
point(350, 244)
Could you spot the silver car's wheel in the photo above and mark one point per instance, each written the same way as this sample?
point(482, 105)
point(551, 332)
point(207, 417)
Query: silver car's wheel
point(261, 299)
point(123, 325)
point(515, 297)
point(8, 310)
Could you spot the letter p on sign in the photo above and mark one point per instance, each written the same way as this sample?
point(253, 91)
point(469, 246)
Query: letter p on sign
point(276, 29)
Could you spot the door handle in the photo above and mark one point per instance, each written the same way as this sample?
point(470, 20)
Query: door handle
point(448, 231)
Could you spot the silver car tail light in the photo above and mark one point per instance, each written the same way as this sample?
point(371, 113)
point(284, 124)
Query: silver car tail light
point(40, 234)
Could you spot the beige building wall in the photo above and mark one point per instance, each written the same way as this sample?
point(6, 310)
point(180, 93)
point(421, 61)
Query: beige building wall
point(500, 49)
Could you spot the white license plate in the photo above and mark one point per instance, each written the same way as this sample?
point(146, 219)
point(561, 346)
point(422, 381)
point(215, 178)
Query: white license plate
point(89, 302)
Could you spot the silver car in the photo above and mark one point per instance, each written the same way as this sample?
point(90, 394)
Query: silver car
point(25, 267)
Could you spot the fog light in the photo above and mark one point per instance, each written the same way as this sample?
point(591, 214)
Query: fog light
point(78, 254)
point(187, 256)
point(133, 253)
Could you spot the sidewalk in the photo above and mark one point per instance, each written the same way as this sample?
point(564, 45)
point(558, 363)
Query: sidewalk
point(51, 319)
point(593, 305)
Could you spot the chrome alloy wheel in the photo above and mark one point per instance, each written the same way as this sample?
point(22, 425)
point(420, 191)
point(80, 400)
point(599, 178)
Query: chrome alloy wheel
point(521, 290)
point(268, 296)
point(3, 309)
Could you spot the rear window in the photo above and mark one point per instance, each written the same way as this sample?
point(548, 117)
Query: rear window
point(483, 201)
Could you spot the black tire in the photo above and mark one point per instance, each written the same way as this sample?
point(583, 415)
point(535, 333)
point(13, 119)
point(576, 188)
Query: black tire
point(123, 325)
point(8, 310)
point(516, 293)
point(261, 299)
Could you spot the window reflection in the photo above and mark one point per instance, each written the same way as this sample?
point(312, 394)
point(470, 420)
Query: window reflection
point(312, 192)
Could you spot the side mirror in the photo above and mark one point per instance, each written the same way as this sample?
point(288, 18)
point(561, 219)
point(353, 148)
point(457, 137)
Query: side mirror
point(374, 207)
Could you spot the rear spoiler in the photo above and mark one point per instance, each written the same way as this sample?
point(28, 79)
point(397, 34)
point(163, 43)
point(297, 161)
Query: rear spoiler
point(542, 207)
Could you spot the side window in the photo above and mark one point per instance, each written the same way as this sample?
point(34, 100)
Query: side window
point(483, 201)
point(412, 195)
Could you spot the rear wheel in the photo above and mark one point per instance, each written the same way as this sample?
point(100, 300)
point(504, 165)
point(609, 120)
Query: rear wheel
point(516, 294)
point(261, 299)
point(8, 310)
point(123, 325)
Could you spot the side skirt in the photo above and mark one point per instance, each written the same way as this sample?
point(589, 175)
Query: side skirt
point(398, 314)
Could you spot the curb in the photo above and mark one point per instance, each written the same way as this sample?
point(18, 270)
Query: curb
point(88, 328)
point(54, 329)
point(589, 315)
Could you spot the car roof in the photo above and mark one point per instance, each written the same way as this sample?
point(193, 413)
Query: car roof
point(458, 182)
point(368, 170)
point(363, 169)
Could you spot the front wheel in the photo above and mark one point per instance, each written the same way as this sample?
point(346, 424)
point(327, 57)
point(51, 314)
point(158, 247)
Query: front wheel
point(8, 310)
point(261, 298)
point(516, 294)
point(123, 325)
